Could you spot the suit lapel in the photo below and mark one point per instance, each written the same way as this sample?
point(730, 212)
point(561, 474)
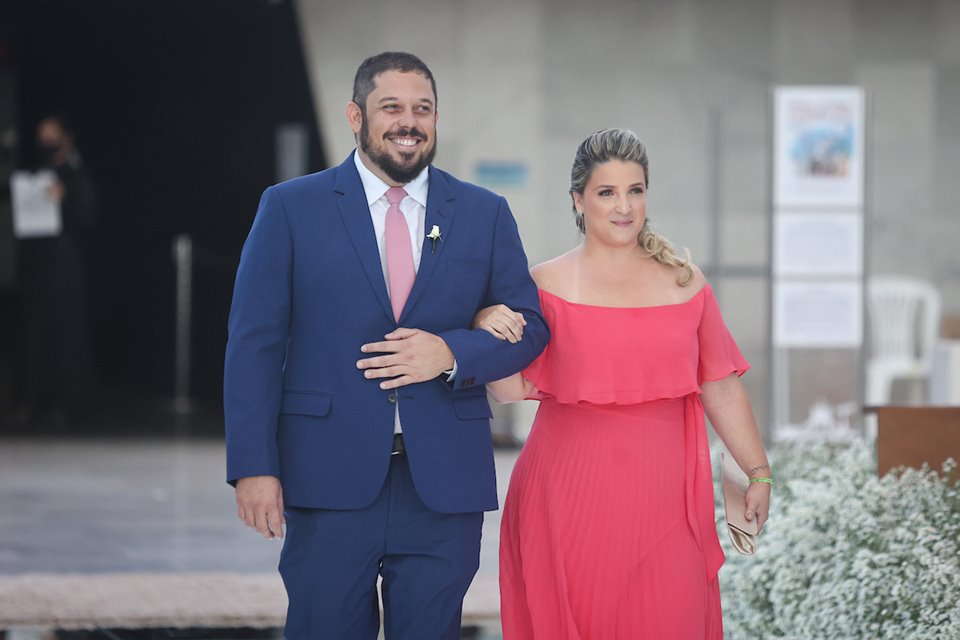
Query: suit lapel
point(440, 213)
point(355, 213)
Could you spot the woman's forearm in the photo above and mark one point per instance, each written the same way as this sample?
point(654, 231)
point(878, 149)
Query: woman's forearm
point(510, 389)
point(726, 404)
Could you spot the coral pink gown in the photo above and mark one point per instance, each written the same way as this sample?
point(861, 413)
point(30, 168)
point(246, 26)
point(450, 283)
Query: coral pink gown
point(608, 529)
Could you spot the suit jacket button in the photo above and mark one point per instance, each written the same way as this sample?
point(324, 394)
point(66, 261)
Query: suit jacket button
point(392, 398)
point(467, 383)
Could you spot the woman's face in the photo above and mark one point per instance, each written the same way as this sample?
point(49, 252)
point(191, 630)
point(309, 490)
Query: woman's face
point(614, 203)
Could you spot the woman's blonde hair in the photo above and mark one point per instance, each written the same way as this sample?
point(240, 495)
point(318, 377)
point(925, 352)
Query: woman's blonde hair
point(622, 144)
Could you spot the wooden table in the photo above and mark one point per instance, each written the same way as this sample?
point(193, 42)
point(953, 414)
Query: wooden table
point(912, 436)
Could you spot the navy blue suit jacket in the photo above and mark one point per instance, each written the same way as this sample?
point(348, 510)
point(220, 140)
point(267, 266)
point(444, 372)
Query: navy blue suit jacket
point(310, 290)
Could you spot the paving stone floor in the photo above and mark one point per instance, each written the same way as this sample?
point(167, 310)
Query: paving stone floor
point(122, 503)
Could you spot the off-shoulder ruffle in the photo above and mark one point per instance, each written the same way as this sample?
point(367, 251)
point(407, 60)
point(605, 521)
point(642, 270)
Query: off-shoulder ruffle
point(690, 343)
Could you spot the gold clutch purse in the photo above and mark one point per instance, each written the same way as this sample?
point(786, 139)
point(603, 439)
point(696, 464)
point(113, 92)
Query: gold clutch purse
point(743, 532)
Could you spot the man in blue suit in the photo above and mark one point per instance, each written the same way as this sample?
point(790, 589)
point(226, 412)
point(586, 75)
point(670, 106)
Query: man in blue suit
point(354, 396)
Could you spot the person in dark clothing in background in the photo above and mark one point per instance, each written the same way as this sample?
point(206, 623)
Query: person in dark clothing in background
point(55, 369)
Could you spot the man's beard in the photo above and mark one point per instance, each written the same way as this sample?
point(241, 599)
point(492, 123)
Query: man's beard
point(397, 173)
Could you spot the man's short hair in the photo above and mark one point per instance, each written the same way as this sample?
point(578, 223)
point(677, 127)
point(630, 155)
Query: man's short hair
point(365, 80)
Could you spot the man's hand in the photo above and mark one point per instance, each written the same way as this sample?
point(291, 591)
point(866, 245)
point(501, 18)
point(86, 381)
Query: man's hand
point(260, 505)
point(56, 191)
point(411, 356)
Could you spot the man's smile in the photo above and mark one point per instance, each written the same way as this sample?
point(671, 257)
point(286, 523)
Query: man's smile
point(405, 142)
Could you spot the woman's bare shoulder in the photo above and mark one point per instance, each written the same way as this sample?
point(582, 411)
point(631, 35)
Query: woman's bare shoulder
point(698, 281)
point(669, 277)
point(554, 273)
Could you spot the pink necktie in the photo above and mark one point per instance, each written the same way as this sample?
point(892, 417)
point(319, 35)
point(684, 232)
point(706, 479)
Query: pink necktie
point(400, 270)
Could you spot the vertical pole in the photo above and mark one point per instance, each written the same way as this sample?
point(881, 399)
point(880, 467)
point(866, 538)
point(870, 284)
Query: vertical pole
point(867, 423)
point(714, 228)
point(183, 259)
point(778, 393)
point(291, 150)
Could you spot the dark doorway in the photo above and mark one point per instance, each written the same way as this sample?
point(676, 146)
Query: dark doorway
point(175, 106)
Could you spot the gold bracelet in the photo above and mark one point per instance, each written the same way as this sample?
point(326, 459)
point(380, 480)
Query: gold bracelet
point(768, 481)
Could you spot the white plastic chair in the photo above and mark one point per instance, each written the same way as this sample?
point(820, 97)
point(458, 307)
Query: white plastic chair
point(904, 315)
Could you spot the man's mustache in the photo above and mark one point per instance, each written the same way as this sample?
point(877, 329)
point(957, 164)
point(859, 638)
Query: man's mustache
point(406, 133)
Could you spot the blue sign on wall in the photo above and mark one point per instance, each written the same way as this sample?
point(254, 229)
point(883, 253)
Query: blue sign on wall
point(501, 174)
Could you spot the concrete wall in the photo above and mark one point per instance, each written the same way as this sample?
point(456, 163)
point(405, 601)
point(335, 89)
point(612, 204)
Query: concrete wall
point(525, 80)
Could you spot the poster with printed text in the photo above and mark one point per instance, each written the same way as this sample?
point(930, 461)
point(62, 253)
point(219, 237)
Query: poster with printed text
point(818, 147)
point(819, 315)
point(36, 214)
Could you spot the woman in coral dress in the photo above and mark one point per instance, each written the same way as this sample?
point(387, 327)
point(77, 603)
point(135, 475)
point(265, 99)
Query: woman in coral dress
point(608, 528)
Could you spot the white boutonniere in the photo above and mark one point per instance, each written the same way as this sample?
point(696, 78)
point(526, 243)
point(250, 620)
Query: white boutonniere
point(433, 236)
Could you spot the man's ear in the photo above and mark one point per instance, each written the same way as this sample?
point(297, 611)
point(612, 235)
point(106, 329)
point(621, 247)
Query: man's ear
point(354, 116)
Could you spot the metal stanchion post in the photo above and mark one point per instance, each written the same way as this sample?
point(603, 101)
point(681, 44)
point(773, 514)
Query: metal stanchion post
point(183, 259)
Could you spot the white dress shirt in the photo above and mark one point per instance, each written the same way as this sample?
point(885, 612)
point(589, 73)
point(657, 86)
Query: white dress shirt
point(413, 207)
point(414, 210)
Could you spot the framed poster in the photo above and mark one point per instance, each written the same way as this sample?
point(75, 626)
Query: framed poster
point(818, 147)
point(818, 314)
point(818, 244)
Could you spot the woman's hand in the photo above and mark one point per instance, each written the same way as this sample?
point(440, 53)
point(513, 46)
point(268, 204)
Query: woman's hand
point(502, 322)
point(758, 503)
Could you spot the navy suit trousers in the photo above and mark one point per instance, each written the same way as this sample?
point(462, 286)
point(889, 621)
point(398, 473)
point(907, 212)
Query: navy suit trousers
point(331, 560)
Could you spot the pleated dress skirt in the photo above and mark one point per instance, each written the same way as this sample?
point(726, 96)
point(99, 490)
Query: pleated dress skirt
point(596, 543)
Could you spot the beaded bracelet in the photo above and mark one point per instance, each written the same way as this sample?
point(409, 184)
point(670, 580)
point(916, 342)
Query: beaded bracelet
point(768, 481)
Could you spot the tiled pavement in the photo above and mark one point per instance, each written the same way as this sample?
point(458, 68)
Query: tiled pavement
point(123, 504)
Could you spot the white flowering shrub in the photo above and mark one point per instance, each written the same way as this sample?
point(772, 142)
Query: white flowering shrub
point(846, 554)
